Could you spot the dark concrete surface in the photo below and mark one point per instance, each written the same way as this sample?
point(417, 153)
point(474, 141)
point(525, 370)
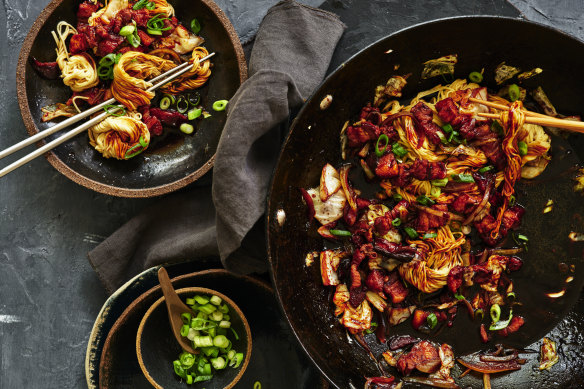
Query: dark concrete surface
point(49, 295)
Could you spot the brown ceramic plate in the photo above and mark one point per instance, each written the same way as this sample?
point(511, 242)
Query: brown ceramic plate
point(173, 160)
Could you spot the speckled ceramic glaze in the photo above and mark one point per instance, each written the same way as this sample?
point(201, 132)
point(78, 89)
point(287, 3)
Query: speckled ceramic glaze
point(480, 42)
point(172, 160)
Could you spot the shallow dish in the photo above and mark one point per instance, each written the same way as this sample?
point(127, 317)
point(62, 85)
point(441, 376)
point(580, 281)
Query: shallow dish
point(156, 346)
point(480, 42)
point(174, 160)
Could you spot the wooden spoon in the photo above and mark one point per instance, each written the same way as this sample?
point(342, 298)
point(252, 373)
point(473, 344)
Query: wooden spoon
point(175, 308)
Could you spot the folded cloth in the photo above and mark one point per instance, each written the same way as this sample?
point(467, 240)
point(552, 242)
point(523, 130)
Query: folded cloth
point(290, 57)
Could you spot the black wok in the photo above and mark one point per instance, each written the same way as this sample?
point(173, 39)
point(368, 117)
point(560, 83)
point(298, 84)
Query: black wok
point(480, 42)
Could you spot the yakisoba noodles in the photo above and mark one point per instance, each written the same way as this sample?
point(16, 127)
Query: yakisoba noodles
point(441, 174)
point(78, 71)
point(115, 50)
point(120, 136)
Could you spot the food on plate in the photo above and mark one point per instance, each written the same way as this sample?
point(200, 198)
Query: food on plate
point(115, 48)
point(419, 210)
point(210, 331)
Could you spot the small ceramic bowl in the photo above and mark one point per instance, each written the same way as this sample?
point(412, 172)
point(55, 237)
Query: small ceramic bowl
point(157, 348)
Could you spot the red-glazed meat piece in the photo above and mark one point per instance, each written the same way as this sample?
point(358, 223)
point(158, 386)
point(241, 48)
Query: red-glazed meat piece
point(387, 166)
point(374, 280)
point(423, 357)
point(86, 9)
point(425, 170)
point(78, 44)
point(465, 203)
point(427, 221)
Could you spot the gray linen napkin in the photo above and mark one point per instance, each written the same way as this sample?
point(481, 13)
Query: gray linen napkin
point(289, 59)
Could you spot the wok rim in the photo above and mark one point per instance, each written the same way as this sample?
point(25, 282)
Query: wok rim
point(60, 165)
point(269, 200)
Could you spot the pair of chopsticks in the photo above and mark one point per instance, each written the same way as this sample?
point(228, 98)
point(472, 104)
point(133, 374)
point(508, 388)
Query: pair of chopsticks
point(531, 117)
point(160, 80)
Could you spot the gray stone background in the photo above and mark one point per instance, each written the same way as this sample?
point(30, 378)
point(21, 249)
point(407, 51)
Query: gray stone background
point(49, 295)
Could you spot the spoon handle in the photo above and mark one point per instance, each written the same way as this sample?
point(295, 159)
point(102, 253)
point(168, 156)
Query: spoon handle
point(169, 294)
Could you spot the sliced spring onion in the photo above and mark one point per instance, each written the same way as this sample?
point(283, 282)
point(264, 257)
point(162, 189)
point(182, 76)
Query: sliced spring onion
point(522, 237)
point(150, 6)
point(187, 128)
point(186, 317)
point(219, 363)
point(225, 324)
point(340, 232)
point(396, 222)
point(384, 139)
point(475, 77)
point(184, 330)
point(194, 113)
point(220, 105)
point(514, 92)
point(485, 169)
point(115, 110)
point(440, 183)
point(462, 177)
point(522, 147)
point(425, 200)
point(216, 316)
point(231, 354)
point(164, 102)
point(153, 32)
point(220, 341)
point(203, 341)
point(479, 314)
point(190, 301)
point(512, 200)
point(207, 308)
point(435, 192)
point(458, 296)
point(133, 40)
point(201, 299)
point(189, 379)
point(223, 308)
point(206, 115)
point(257, 385)
point(187, 360)
point(238, 359)
point(235, 334)
point(201, 378)
point(398, 150)
point(430, 235)
point(511, 295)
point(397, 197)
point(195, 26)
point(136, 149)
point(192, 333)
point(140, 4)
point(411, 232)
point(499, 325)
point(496, 127)
point(178, 370)
point(432, 320)
point(215, 300)
point(194, 98)
point(442, 137)
point(495, 313)
point(127, 30)
point(182, 105)
point(447, 128)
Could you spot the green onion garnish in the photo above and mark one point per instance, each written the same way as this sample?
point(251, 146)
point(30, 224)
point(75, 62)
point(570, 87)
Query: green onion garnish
point(499, 325)
point(435, 192)
point(257, 385)
point(340, 232)
point(194, 113)
point(464, 178)
point(496, 127)
point(397, 197)
point(115, 110)
point(511, 295)
point(411, 232)
point(140, 4)
point(522, 146)
point(479, 312)
point(187, 128)
point(150, 6)
point(195, 26)
point(442, 137)
point(398, 150)
point(153, 32)
point(485, 169)
point(220, 105)
point(495, 313)
point(182, 105)
point(432, 320)
point(430, 235)
point(440, 183)
point(447, 128)
point(475, 77)
point(165, 102)
point(514, 92)
point(396, 222)
point(127, 30)
point(458, 296)
point(522, 237)
point(425, 200)
point(136, 149)
point(382, 139)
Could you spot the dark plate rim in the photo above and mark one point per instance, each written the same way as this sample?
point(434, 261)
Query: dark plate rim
point(31, 128)
point(317, 92)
